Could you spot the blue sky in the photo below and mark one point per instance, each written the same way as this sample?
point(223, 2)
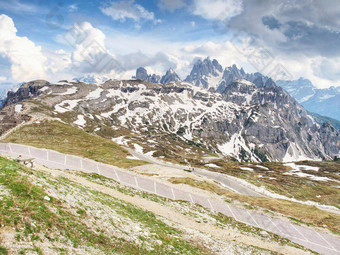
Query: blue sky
point(291, 38)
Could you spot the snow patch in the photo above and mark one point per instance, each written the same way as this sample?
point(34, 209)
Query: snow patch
point(94, 94)
point(138, 148)
point(69, 91)
point(120, 140)
point(263, 167)
point(18, 108)
point(212, 165)
point(304, 99)
point(44, 89)
point(66, 105)
point(80, 121)
point(296, 167)
point(150, 153)
point(295, 153)
point(132, 157)
point(247, 168)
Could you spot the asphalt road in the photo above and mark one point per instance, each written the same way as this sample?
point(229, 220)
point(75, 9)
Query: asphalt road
point(225, 180)
point(318, 241)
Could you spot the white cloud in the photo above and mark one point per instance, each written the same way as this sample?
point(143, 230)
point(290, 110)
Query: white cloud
point(27, 60)
point(128, 10)
point(171, 5)
point(217, 9)
point(327, 68)
point(89, 54)
point(73, 8)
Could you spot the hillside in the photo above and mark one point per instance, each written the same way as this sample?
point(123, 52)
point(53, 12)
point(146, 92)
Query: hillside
point(53, 211)
point(319, 188)
point(215, 169)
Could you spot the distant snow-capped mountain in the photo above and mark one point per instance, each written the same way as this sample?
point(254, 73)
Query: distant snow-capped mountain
point(322, 101)
point(92, 78)
point(301, 89)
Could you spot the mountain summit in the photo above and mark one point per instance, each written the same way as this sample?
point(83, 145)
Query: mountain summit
point(142, 74)
point(170, 76)
point(205, 73)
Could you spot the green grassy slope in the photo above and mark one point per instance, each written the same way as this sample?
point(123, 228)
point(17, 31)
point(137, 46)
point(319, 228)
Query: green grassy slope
point(67, 139)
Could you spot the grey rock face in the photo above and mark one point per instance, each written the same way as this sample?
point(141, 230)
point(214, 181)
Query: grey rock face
point(142, 74)
point(202, 71)
point(170, 76)
point(27, 90)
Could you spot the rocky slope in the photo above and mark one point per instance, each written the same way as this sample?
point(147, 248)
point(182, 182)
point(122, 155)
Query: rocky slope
point(244, 121)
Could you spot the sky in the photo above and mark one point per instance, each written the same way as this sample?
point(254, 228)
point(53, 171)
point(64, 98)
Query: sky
point(58, 40)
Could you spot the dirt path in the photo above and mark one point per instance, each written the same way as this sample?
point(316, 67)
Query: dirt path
point(176, 217)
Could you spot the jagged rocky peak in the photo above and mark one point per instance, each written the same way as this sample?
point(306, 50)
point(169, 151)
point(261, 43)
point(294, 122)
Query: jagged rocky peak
point(270, 83)
point(205, 73)
point(142, 74)
point(232, 73)
point(27, 90)
point(170, 76)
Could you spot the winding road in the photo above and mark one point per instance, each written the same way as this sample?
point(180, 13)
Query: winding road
point(225, 180)
point(318, 241)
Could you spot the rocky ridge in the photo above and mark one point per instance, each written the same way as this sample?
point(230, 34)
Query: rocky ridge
point(244, 121)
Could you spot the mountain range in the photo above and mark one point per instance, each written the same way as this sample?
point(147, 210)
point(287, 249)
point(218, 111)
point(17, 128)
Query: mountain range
point(240, 120)
point(321, 101)
point(209, 73)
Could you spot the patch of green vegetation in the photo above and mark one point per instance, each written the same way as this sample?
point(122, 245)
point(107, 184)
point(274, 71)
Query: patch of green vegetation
point(164, 233)
point(27, 205)
point(67, 139)
point(3, 250)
